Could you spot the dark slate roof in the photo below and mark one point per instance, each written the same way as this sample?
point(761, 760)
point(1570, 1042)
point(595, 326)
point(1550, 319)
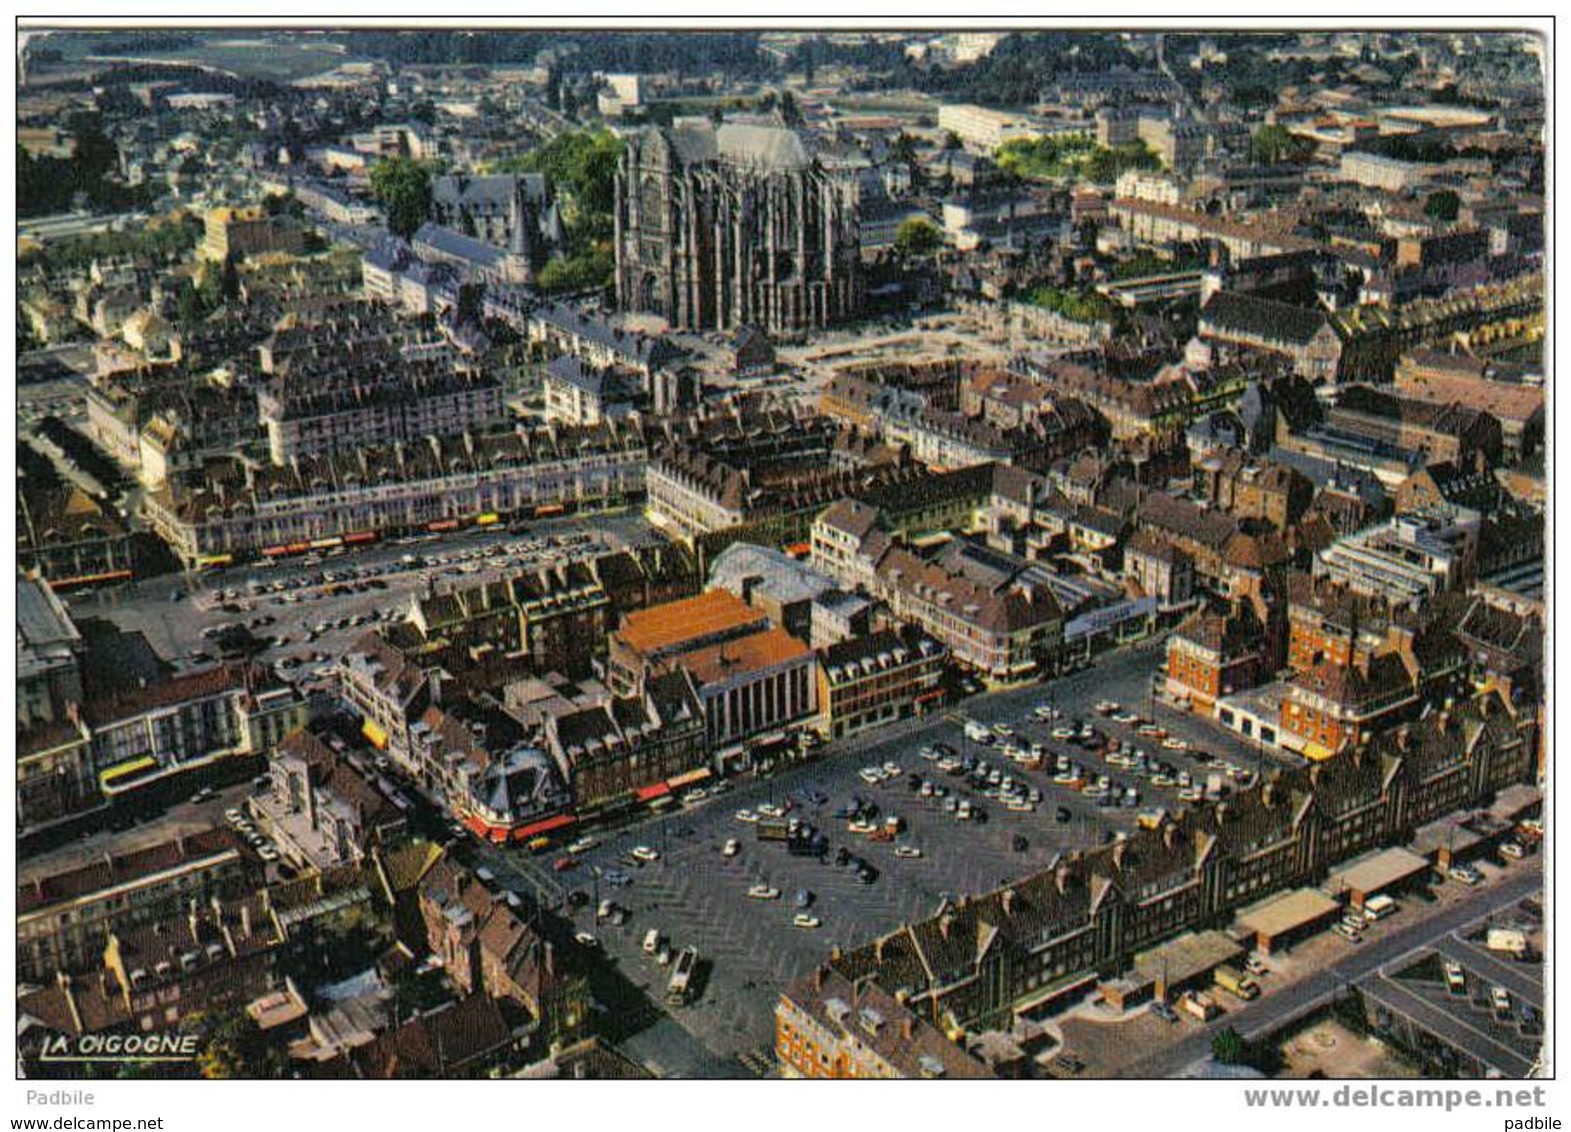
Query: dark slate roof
point(456, 244)
point(1262, 318)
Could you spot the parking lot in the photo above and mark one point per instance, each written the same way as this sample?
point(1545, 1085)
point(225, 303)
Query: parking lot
point(695, 894)
point(309, 610)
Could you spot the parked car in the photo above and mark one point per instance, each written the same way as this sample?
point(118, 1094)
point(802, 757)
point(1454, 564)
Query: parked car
point(1467, 874)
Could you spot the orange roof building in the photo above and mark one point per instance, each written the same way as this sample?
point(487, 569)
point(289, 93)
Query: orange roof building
point(752, 677)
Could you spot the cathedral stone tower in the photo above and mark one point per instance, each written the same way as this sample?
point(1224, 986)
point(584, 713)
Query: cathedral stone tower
point(717, 227)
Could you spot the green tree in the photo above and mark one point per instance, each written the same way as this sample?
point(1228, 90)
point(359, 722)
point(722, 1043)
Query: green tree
point(951, 140)
point(790, 112)
point(233, 1047)
point(404, 188)
point(1273, 145)
point(1442, 205)
point(917, 236)
point(1229, 1048)
point(903, 148)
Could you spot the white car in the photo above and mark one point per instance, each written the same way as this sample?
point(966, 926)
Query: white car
point(764, 892)
point(644, 853)
point(929, 755)
point(803, 920)
point(1064, 732)
point(861, 826)
point(907, 852)
point(747, 816)
point(587, 939)
point(732, 848)
point(1003, 730)
point(583, 845)
point(1174, 744)
point(870, 776)
point(233, 815)
point(769, 810)
point(891, 770)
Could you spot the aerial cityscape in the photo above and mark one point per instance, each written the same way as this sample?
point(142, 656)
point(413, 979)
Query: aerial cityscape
point(752, 554)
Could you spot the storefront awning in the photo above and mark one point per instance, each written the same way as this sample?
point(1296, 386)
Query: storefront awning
point(1315, 752)
point(547, 825)
point(688, 778)
point(652, 791)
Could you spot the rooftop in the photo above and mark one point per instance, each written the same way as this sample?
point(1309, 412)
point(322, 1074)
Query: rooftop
point(665, 627)
point(1290, 910)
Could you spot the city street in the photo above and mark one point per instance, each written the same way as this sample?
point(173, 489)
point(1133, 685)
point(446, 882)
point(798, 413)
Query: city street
point(1274, 1010)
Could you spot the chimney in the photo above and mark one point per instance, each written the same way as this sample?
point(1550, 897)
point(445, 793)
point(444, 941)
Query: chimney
point(1170, 831)
point(908, 1028)
point(550, 960)
point(945, 923)
point(1061, 878)
point(819, 975)
point(1009, 901)
point(245, 919)
point(1221, 812)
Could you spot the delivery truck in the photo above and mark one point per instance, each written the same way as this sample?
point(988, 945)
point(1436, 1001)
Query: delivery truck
point(1236, 983)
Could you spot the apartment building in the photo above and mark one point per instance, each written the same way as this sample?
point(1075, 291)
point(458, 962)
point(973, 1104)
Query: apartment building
point(65, 915)
point(238, 510)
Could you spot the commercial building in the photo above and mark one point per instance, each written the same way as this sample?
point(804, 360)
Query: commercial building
point(752, 679)
point(1215, 653)
point(1278, 922)
point(986, 607)
point(618, 750)
point(1377, 873)
point(870, 681)
point(144, 734)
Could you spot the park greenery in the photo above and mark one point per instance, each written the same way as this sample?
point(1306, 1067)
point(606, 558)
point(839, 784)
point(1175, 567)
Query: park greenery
point(1077, 306)
point(1073, 158)
point(581, 168)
